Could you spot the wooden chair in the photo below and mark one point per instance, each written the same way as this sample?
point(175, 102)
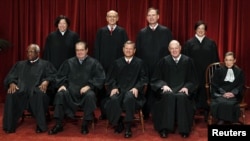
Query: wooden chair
point(139, 117)
point(209, 74)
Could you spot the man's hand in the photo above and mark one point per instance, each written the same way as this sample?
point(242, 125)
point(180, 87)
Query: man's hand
point(114, 91)
point(84, 89)
point(43, 86)
point(134, 92)
point(184, 90)
point(228, 95)
point(12, 88)
point(165, 89)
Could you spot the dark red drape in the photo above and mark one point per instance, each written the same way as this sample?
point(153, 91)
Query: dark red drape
point(29, 21)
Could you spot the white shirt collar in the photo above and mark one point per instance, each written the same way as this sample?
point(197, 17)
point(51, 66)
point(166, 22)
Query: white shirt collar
point(177, 59)
point(153, 28)
point(109, 27)
point(199, 38)
point(34, 60)
point(128, 59)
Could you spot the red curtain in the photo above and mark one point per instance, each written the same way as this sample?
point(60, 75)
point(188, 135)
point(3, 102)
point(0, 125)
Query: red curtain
point(29, 21)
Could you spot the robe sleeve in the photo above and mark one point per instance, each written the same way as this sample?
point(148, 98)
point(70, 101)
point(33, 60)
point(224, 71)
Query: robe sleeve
point(61, 77)
point(156, 80)
point(12, 76)
point(98, 78)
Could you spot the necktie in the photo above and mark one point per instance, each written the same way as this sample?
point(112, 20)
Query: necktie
point(128, 61)
point(111, 30)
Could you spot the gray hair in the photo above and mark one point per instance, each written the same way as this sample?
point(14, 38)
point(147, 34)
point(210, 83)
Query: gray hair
point(37, 48)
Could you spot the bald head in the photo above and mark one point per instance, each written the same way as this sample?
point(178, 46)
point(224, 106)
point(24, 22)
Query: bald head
point(35, 47)
point(112, 12)
point(33, 52)
point(174, 48)
point(112, 17)
point(174, 43)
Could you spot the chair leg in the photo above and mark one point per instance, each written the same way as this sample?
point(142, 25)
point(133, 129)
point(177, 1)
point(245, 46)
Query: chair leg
point(142, 120)
point(210, 118)
point(243, 116)
point(107, 125)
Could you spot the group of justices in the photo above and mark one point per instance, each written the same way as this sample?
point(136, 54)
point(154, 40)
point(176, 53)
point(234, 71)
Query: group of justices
point(174, 77)
point(76, 80)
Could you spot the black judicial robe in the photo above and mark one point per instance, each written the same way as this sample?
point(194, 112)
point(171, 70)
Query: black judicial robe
point(60, 47)
point(126, 76)
point(74, 76)
point(151, 46)
point(203, 54)
point(108, 47)
point(174, 105)
point(27, 77)
point(222, 108)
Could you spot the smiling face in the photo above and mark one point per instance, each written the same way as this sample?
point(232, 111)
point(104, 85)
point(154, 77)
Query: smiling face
point(152, 17)
point(129, 49)
point(112, 17)
point(62, 25)
point(200, 30)
point(174, 48)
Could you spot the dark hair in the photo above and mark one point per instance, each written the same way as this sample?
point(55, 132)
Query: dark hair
point(83, 43)
point(59, 18)
point(198, 23)
point(152, 8)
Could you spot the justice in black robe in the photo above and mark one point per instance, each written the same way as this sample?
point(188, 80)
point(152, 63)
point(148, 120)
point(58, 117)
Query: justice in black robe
point(108, 47)
point(203, 54)
point(174, 106)
point(27, 76)
point(60, 47)
point(124, 77)
point(223, 108)
point(151, 46)
point(74, 76)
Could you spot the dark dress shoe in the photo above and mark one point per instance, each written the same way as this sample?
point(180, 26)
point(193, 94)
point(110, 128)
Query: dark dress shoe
point(38, 130)
point(163, 134)
point(56, 129)
point(119, 128)
point(184, 135)
point(84, 130)
point(128, 134)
